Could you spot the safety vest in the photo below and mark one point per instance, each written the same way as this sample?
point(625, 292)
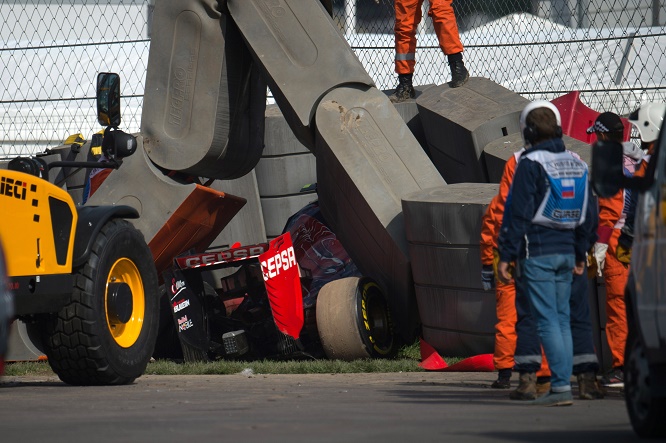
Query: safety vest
point(565, 202)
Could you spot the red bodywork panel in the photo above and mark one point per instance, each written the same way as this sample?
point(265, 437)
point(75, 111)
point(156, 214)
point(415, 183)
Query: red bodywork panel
point(194, 225)
point(283, 285)
point(577, 117)
point(280, 272)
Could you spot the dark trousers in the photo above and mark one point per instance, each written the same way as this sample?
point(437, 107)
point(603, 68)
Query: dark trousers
point(528, 348)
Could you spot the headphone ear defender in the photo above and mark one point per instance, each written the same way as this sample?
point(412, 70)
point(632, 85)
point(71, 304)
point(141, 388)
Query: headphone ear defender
point(530, 134)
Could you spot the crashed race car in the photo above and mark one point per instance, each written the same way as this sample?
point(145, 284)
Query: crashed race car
point(299, 296)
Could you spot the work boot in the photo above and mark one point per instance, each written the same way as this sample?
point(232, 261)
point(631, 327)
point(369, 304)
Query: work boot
point(542, 388)
point(459, 74)
point(404, 90)
point(503, 380)
point(526, 387)
point(589, 387)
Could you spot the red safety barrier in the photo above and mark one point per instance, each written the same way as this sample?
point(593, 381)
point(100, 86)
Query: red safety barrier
point(432, 361)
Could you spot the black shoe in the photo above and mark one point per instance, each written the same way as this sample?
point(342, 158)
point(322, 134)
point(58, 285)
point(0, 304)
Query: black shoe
point(404, 90)
point(501, 383)
point(503, 380)
point(459, 74)
point(614, 378)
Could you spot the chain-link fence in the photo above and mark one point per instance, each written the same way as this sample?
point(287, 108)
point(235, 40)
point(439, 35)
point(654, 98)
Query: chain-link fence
point(613, 51)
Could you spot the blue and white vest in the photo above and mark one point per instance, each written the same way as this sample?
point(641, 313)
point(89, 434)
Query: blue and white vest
point(565, 202)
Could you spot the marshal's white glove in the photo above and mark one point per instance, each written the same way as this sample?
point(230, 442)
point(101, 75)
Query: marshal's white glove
point(600, 256)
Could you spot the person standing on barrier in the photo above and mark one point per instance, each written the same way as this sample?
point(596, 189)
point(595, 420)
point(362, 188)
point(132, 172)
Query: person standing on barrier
point(407, 18)
point(612, 213)
point(546, 229)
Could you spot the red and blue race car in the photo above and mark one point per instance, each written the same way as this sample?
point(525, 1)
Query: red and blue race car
point(299, 296)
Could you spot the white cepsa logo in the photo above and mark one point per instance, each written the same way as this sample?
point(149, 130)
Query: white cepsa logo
point(280, 262)
point(222, 256)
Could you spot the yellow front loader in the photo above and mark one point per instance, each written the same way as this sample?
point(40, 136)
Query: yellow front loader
point(82, 277)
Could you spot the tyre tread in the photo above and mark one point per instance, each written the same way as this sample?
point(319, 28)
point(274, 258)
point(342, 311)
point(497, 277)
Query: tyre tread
point(74, 344)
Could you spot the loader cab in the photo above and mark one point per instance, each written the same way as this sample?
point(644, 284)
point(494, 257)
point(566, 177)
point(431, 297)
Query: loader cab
point(645, 293)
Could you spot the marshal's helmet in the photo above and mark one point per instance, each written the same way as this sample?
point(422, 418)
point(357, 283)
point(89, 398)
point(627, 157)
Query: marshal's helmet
point(647, 120)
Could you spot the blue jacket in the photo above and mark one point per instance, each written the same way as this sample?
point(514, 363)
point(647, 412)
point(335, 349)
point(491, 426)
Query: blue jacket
point(519, 237)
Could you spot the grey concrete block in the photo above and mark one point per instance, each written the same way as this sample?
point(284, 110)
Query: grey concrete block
point(302, 54)
point(409, 112)
point(459, 323)
point(285, 175)
point(22, 345)
point(277, 210)
point(447, 215)
point(367, 159)
point(458, 344)
point(460, 122)
point(247, 227)
point(447, 266)
point(203, 108)
point(279, 139)
point(443, 226)
point(498, 151)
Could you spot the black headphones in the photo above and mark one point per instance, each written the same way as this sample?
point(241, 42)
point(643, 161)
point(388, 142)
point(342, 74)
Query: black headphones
point(531, 133)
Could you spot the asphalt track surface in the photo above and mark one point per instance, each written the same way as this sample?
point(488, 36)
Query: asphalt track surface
point(395, 407)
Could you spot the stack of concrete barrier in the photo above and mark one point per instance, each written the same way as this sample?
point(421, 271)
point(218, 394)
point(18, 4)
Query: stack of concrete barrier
point(443, 227)
point(286, 165)
point(367, 159)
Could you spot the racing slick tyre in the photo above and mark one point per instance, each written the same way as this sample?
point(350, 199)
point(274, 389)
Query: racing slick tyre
point(354, 321)
point(647, 413)
point(106, 334)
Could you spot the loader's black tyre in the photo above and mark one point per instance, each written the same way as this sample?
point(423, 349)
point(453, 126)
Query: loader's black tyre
point(353, 320)
point(647, 412)
point(106, 334)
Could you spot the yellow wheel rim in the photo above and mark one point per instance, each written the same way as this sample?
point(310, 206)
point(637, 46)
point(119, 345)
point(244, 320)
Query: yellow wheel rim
point(126, 334)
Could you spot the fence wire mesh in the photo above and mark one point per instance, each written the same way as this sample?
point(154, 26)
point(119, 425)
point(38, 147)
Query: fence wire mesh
point(613, 52)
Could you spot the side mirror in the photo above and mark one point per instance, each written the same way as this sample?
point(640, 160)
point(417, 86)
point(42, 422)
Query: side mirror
point(607, 168)
point(108, 99)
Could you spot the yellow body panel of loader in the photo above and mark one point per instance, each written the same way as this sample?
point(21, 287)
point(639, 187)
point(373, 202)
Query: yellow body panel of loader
point(37, 225)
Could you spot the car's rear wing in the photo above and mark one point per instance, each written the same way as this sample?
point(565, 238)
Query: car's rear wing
point(220, 259)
